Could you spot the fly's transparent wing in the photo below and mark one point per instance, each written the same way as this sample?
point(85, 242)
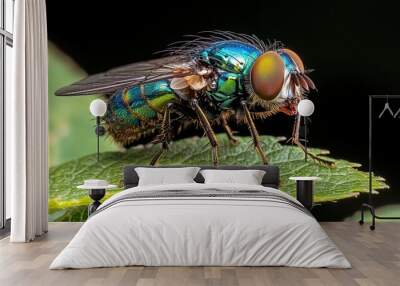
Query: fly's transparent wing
point(130, 75)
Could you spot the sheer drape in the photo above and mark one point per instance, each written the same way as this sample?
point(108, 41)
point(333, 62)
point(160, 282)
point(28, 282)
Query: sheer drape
point(26, 124)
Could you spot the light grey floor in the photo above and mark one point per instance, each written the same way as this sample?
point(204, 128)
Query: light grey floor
point(375, 257)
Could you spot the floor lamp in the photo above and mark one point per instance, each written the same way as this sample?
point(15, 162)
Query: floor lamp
point(98, 108)
point(305, 108)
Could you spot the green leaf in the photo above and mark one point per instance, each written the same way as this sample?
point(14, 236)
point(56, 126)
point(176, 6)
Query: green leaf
point(76, 213)
point(70, 122)
point(342, 181)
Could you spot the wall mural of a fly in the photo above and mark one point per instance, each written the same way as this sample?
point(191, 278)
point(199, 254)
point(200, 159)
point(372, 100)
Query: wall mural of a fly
point(211, 79)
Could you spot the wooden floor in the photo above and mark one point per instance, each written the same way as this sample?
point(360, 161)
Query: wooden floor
point(375, 257)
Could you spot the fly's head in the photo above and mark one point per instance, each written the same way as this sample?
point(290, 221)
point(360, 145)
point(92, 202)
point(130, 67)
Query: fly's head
point(278, 81)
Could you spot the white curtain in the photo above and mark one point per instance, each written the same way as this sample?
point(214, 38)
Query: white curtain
point(26, 124)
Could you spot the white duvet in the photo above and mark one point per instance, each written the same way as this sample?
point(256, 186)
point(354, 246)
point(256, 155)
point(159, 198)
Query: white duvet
point(200, 231)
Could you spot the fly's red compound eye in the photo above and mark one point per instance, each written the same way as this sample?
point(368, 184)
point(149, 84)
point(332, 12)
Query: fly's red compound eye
point(295, 58)
point(267, 75)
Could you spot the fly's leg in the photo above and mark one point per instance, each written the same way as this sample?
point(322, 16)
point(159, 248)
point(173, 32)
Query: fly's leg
point(312, 156)
point(254, 133)
point(296, 130)
point(157, 156)
point(164, 136)
point(208, 130)
point(296, 140)
point(228, 129)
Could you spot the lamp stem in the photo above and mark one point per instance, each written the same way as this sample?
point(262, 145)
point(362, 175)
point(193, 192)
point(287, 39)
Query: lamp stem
point(305, 138)
point(98, 137)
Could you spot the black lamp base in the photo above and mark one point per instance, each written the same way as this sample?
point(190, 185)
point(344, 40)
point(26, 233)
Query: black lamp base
point(96, 195)
point(304, 193)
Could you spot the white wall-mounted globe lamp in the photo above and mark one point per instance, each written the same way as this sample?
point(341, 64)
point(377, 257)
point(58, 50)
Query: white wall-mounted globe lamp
point(98, 108)
point(305, 108)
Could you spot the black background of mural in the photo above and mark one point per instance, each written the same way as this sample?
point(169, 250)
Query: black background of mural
point(352, 45)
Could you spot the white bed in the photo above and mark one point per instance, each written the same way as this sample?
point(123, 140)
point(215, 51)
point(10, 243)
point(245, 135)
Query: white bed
point(185, 230)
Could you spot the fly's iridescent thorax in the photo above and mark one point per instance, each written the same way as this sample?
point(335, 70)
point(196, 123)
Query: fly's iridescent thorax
point(228, 89)
point(231, 56)
point(233, 61)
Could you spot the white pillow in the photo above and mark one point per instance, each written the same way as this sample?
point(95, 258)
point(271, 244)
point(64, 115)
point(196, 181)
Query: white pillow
point(248, 177)
point(166, 176)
